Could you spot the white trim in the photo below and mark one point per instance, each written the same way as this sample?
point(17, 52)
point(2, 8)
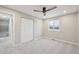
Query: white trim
point(60, 40)
point(11, 37)
point(73, 43)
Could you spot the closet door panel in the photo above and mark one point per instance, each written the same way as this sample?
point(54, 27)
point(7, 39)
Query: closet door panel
point(26, 30)
point(37, 29)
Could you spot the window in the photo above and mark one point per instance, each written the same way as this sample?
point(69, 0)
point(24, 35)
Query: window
point(54, 25)
point(4, 25)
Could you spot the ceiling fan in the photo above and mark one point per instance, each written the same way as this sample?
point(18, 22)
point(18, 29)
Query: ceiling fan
point(44, 10)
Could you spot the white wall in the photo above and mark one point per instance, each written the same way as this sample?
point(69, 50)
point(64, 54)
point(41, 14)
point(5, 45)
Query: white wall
point(68, 28)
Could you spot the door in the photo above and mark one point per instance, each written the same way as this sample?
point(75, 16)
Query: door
point(37, 29)
point(26, 30)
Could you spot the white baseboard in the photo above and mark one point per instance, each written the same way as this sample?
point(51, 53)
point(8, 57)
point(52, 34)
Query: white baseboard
point(60, 40)
point(73, 43)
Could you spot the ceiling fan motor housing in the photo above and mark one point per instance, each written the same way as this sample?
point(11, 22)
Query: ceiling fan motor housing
point(44, 9)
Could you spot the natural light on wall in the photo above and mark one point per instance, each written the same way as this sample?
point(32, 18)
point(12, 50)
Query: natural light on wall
point(54, 25)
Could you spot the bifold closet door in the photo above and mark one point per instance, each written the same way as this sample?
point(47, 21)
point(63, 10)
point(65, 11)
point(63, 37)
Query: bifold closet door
point(26, 30)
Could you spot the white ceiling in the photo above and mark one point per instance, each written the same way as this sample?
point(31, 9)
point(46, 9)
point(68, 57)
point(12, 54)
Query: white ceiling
point(28, 9)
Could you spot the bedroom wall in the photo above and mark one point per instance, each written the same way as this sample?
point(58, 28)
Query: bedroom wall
point(68, 28)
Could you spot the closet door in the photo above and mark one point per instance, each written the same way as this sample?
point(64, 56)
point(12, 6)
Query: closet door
point(26, 30)
point(37, 29)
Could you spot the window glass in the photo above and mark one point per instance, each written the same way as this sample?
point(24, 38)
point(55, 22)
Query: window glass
point(54, 25)
point(4, 25)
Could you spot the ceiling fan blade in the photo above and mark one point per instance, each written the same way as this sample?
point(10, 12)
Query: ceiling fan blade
point(37, 10)
point(51, 8)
